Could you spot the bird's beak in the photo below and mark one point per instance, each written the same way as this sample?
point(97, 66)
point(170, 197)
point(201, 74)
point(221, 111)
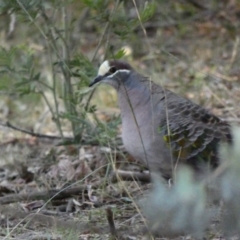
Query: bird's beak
point(96, 80)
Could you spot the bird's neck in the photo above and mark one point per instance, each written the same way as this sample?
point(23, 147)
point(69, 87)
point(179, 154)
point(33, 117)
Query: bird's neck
point(133, 94)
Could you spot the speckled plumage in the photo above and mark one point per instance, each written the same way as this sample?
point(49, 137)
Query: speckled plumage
point(161, 128)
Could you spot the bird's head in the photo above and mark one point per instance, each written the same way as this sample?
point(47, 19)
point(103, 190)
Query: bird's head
point(112, 72)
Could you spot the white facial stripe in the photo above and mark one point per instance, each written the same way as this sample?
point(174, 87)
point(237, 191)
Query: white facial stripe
point(104, 68)
point(121, 71)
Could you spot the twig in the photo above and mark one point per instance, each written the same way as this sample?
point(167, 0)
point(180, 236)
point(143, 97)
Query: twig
point(9, 125)
point(142, 27)
point(220, 101)
point(234, 54)
point(215, 74)
point(54, 88)
point(110, 220)
point(96, 51)
point(12, 24)
point(197, 4)
point(51, 194)
point(98, 46)
point(31, 18)
point(130, 176)
point(68, 90)
point(65, 140)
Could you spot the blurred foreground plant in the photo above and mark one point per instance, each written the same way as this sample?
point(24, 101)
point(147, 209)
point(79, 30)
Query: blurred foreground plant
point(186, 207)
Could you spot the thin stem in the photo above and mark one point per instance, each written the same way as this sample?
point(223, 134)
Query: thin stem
point(106, 28)
point(94, 56)
point(68, 91)
point(58, 122)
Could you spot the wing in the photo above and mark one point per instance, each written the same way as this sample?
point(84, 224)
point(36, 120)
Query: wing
point(190, 131)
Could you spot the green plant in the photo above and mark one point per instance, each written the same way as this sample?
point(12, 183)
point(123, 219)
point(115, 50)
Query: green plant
point(56, 73)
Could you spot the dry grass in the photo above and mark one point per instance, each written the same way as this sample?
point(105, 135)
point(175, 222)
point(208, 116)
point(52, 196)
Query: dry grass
point(199, 61)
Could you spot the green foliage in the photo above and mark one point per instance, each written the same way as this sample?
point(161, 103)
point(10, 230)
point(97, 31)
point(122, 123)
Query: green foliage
point(21, 78)
point(121, 53)
point(123, 27)
point(81, 67)
point(106, 132)
point(96, 4)
point(148, 11)
point(185, 8)
point(57, 74)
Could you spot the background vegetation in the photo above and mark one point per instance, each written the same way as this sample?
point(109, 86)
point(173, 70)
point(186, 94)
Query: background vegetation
point(68, 135)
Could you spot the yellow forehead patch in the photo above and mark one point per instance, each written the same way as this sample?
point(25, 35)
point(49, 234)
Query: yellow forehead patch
point(104, 68)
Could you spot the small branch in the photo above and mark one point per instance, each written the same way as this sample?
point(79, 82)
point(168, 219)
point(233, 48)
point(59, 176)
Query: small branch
point(98, 46)
point(31, 19)
point(8, 124)
point(234, 54)
point(52, 194)
point(110, 220)
point(65, 140)
point(54, 92)
point(12, 24)
point(68, 90)
point(45, 85)
point(130, 176)
point(197, 4)
point(94, 55)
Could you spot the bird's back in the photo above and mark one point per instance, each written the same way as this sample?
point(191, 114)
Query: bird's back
point(190, 131)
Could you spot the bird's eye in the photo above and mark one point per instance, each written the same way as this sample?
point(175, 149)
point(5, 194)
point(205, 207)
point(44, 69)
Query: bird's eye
point(112, 70)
